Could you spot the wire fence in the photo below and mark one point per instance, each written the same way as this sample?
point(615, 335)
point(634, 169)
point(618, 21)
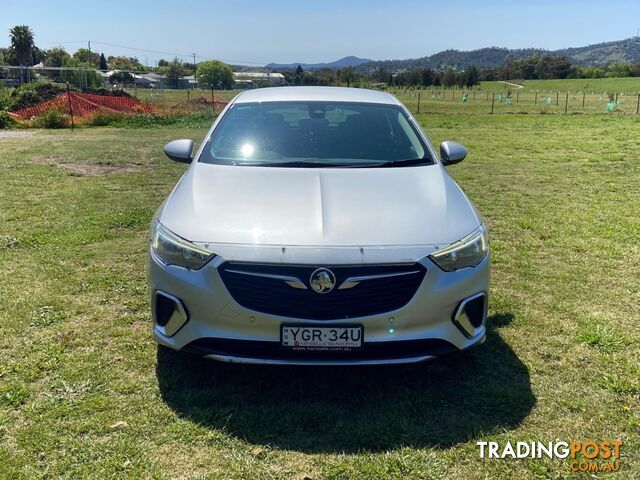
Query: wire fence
point(442, 100)
point(184, 95)
point(183, 100)
point(71, 89)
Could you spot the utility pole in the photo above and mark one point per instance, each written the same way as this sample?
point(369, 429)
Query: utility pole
point(89, 43)
point(195, 83)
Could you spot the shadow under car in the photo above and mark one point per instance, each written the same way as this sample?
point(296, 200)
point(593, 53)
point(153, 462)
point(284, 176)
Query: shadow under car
point(350, 409)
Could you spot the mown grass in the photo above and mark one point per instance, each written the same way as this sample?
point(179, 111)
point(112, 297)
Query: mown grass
point(628, 85)
point(84, 393)
point(521, 101)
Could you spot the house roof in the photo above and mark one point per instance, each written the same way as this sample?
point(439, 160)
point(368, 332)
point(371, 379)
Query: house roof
point(258, 75)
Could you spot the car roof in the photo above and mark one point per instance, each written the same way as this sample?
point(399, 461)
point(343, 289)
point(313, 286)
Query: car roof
point(316, 94)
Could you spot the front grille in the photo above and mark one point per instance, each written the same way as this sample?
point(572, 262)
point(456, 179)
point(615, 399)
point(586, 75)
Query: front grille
point(475, 311)
point(273, 350)
point(251, 288)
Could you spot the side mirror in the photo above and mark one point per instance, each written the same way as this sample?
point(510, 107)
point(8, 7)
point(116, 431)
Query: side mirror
point(452, 152)
point(179, 150)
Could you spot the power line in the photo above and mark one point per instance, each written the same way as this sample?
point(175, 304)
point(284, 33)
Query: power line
point(182, 55)
point(186, 55)
point(159, 52)
point(55, 44)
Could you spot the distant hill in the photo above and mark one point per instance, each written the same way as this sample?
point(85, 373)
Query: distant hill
point(349, 61)
point(482, 58)
point(599, 54)
point(624, 51)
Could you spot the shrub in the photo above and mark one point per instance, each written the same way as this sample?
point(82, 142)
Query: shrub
point(52, 118)
point(31, 94)
point(5, 119)
point(5, 99)
point(103, 119)
point(149, 120)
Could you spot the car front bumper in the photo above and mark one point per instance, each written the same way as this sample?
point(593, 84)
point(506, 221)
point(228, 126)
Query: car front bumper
point(217, 327)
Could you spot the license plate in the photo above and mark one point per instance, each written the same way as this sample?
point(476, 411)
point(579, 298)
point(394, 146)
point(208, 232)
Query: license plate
point(335, 338)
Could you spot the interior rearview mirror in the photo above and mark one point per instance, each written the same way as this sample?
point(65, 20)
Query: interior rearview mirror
point(179, 150)
point(452, 152)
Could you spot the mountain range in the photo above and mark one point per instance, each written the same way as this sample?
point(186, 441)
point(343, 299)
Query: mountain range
point(349, 61)
point(599, 54)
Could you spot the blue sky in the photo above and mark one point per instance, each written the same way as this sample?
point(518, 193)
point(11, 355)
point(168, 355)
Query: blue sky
point(258, 32)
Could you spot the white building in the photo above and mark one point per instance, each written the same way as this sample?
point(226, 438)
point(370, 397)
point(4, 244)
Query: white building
point(251, 79)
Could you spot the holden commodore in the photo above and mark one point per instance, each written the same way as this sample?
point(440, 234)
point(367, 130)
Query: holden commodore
point(317, 225)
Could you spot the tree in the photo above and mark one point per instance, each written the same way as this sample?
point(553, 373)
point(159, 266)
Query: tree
point(85, 55)
point(325, 76)
point(549, 66)
point(215, 74)
point(348, 75)
point(54, 57)
point(103, 63)
point(124, 63)
point(174, 71)
point(381, 74)
point(427, 77)
point(83, 78)
point(22, 43)
point(471, 76)
point(298, 75)
point(619, 70)
point(449, 79)
point(8, 56)
point(37, 55)
point(121, 77)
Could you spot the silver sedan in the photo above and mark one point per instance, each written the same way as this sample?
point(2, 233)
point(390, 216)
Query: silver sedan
point(317, 225)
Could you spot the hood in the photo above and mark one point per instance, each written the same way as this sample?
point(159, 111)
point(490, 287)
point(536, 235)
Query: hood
point(319, 207)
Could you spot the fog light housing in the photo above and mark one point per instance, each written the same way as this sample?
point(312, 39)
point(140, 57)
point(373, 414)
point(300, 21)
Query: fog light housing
point(470, 316)
point(168, 313)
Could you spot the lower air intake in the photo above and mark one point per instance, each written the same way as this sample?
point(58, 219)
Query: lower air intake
point(164, 309)
point(475, 311)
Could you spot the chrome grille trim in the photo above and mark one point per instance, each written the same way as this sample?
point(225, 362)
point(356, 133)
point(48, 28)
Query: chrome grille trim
point(353, 281)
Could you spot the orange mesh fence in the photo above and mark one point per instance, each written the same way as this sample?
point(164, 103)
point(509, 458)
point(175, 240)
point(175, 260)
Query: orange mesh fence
point(86, 105)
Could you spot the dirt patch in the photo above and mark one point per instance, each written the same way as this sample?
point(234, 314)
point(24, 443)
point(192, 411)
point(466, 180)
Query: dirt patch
point(91, 168)
point(14, 134)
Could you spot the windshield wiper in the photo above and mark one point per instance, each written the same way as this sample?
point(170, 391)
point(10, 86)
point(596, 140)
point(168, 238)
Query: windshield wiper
point(299, 164)
point(311, 164)
point(405, 163)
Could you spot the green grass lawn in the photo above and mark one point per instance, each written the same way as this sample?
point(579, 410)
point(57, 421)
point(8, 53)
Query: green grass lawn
point(520, 101)
point(84, 392)
point(627, 85)
point(438, 100)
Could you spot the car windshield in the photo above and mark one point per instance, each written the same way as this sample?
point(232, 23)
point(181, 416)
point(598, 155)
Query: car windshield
point(315, 134)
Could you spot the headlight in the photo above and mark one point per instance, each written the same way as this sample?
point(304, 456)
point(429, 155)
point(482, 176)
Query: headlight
point(175, 250)
point(468, 252)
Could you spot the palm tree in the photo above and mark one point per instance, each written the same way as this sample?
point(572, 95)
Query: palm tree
point(22, 42)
